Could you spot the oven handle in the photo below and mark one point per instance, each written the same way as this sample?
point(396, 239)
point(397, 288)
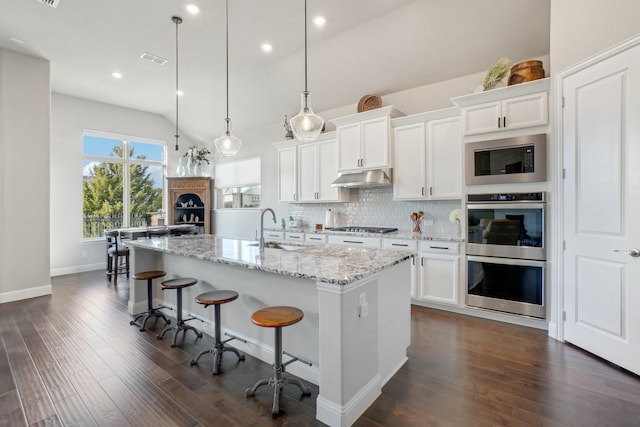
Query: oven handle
point(499, 205)
point(508, 261)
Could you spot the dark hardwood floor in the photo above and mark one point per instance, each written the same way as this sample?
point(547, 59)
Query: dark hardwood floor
point(73, 359)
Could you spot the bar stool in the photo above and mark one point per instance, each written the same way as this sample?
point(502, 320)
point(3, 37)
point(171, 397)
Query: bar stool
point(178, 285)
point(278, 317)
point(151, 312)
point(216, 298)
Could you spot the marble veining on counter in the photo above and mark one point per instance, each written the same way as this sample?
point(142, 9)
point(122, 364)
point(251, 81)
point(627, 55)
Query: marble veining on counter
point(393, 235)
point(334, 264)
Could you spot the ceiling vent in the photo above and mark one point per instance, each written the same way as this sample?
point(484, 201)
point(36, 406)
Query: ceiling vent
point(52, 3)
point(153, 58)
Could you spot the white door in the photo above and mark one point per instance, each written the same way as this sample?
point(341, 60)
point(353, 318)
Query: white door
point(409, 156)
point(444, 154)
point(307, 173)
point(601, 143)
point(374, 140)
point(327, 170)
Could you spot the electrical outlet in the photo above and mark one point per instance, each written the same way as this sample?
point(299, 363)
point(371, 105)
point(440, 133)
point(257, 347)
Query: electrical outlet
point(363, 298)
point(363, 306)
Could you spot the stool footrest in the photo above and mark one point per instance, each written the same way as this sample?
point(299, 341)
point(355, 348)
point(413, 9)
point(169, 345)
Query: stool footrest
point(295, 358)
point(233, 337)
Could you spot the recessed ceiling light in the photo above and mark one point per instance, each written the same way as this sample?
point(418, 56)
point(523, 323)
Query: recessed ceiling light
point(193, 9)
point(116, 75)
point(266, 47)
point(16, 40)
point(319, 21)
point(179, 93)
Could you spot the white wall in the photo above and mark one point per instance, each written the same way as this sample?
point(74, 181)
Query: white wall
point(24, 171)
point(582, 28)
point(70, 116)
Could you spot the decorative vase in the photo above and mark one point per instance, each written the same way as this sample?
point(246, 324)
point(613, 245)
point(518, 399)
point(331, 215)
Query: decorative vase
point(197, 168)
point(191, 166)
point(180, 170)
point(457, 229)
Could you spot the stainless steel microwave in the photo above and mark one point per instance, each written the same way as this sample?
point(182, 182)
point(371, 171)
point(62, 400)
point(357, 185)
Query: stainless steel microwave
point(506, 161)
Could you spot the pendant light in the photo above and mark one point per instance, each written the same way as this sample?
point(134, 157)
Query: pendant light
point(177, 20)
point(227, 144)
point(306, 126)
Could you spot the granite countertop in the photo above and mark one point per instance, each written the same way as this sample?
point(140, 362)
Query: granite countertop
point(334, 264)
point(394, 235)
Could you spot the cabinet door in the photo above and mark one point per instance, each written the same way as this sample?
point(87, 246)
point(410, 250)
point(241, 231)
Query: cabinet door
point(287, 170)
point(410, 246)
point(439, 278)
point(348, 137)
point(444, 159)
point(307, 173)
point(482, 118)
point(409, 162)
point(374, 140)
point(526, 111)
point(327, 171)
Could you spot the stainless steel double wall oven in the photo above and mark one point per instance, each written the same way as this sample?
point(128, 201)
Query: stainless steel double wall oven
point(506, 252)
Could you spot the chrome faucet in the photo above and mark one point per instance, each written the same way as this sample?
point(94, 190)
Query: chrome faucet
point(265, 210)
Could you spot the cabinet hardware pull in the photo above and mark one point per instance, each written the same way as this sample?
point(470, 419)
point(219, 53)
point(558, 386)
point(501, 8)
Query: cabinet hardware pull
point(421, 261)
point(422, 191)
point(498, 122)
point(399, 244)
point(413, 260)
point(294, 237)
point(431, 191)
point(504, 121)
point(314, 238)
point(439, 247)
point(352, 241)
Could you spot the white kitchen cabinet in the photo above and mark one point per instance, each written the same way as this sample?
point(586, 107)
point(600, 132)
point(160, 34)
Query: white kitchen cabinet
point(409, 246)
point(409, 172)
point(273, 235)
point(520, 106)
point(294, 236)
point(287, 174)
point(428, 158)
point(439, 272)
point(364, 145)
point(317, 169)
point(354, 241)
point(319, 239)
point(444, 159)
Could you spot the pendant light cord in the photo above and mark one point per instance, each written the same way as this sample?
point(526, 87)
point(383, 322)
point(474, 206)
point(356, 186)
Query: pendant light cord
point(305, 46)
point(178, 21)
point(226, 29)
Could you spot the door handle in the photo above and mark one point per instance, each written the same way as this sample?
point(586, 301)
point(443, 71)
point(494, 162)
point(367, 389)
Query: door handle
point(634, 252)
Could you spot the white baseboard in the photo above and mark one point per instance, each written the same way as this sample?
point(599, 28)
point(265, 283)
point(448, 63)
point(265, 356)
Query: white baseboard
point(77, 269)
point(25, 293)
point(333, 414)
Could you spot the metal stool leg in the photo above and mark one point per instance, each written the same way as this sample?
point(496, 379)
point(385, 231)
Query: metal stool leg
point(180, 323)
point(151, 312)
point(219, 346)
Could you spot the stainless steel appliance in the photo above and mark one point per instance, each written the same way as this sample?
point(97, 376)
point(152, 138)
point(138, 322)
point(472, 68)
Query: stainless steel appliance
point(508, 160)
point(506, 254)
point(364, 229)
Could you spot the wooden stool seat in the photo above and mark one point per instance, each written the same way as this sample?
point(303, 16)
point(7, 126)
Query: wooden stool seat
point(151, 312)
point(277, 318)
point(216, 298)
point(179, 284)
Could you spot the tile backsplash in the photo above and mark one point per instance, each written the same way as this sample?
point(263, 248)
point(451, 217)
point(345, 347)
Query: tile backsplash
point(375, 207)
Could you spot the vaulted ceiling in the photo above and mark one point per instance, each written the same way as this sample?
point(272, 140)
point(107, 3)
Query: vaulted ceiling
point(366, 46)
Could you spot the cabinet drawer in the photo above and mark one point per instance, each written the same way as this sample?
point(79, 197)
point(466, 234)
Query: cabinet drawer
point(274, 235)
point(400, 244)
point(294, 237)
point(315, 238)
point(440, 247)
point(355, 241)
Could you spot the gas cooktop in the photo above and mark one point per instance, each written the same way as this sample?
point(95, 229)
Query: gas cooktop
point(362, 229)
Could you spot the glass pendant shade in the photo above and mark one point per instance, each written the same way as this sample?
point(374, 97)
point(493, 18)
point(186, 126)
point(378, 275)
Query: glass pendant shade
point(306, 125)
point(228, 144)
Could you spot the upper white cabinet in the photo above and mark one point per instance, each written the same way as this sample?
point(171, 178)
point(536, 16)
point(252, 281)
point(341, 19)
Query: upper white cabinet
point(428, 156)
point(363, 139)
point(287, 174)
point(317, 169)
point(524, 105)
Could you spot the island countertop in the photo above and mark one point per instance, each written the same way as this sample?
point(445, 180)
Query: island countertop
point(324, 263)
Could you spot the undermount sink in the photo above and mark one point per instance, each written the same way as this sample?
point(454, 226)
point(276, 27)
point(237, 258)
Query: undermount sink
point(275, 245)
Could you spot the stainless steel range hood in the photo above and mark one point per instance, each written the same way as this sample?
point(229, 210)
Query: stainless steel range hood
point(370, 178)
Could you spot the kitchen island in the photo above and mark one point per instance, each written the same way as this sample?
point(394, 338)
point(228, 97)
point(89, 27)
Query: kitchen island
point(356, 304)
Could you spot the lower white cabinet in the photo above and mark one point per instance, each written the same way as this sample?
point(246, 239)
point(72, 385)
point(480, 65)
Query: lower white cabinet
point(439, 272)
point(355, 241)
point(294, 236)
point(273, 235)
point(319, 239)
point(409, 246)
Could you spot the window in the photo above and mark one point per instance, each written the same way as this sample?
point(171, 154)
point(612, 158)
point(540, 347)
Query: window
point(123, 181)
point(238, 184)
